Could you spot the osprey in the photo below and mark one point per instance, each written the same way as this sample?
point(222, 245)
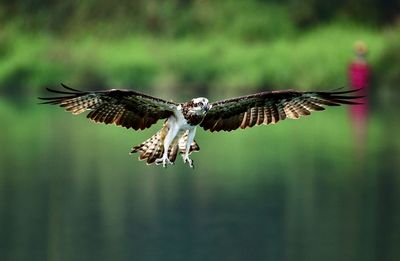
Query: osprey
point(131, 109)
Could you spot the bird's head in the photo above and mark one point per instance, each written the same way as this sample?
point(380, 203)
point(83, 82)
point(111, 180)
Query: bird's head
point(199, 106)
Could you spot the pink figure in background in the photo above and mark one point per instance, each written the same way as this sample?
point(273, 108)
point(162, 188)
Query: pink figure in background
point(359, 73)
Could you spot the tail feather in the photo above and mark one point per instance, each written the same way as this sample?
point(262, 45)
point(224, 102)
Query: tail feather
point(153, 148)
point(182, 145)
point(153, 154)
point(172, 152)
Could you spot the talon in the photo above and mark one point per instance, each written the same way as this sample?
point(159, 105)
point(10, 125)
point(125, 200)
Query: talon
point(163, 161)
point(191, 164)
point(189, 161)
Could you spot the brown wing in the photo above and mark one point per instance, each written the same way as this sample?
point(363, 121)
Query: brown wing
point(270, 107)
point(125, 108)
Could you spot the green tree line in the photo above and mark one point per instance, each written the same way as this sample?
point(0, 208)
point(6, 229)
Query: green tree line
point(182, 17)
point(196, 46)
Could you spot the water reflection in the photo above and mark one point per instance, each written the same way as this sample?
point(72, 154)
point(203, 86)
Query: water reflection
point(70, 191)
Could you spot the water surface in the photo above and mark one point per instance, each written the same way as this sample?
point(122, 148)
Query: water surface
point(299, 190)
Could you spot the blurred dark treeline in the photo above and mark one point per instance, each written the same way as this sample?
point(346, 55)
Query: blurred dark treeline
point(182, 17)
point(198, 47)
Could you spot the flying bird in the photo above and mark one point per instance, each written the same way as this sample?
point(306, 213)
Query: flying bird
point(132, 109)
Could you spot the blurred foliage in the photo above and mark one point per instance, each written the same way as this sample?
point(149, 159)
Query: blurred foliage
point(370, 12)
point(182, 17)
point(389, 65)
point(217, 64)
point(195, 46)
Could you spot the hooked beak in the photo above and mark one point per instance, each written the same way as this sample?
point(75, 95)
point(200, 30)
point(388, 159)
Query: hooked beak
point(208, 107)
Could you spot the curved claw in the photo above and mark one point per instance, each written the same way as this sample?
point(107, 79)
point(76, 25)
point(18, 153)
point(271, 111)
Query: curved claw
point(189, 161)
point(164, 161)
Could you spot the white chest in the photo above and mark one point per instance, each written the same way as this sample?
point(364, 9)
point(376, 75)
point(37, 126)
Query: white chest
point(177, 128)
point(179, 122)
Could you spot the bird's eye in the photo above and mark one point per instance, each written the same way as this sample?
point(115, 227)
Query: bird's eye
point(200, 104)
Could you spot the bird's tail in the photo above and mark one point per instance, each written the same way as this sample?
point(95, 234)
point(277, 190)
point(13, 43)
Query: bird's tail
point(182, 144)
point(153, 148)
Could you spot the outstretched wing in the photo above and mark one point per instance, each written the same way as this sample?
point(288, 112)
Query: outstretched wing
point(270, 107)
point(125, 108)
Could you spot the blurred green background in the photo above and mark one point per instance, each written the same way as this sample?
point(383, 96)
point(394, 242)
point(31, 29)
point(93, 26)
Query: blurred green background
point(298, 190)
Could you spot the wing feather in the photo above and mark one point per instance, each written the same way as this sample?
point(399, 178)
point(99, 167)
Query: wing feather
point(126, 108)
point(267, 115)
point(260, 116)
point(271, 107)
